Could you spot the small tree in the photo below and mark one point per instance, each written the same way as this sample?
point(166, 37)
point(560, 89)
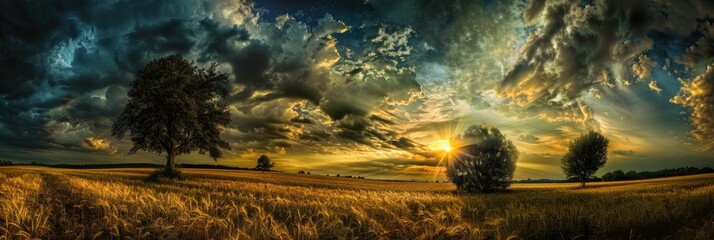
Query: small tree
point(175, 108)
point(264, 163)
point(485, 166)
point(586, 155)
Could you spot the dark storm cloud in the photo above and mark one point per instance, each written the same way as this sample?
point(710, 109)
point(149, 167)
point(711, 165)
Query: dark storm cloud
point(262, 128)
point(315, 136)
point(66, 66)
point(533, 11)
point(249, 63)
point(355, 128)
point(145, 42)
point(381, 119)
point(701, 51)
point(22, 127)
point(27, 30)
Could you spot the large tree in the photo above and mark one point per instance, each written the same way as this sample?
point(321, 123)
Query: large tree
point(586, 155)
point(175, 108)
point(484, 166)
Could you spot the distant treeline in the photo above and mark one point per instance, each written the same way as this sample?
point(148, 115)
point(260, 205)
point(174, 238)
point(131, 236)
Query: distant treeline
point(544, 180)
point(122, 165)
point(618, 175)
point(216, 166)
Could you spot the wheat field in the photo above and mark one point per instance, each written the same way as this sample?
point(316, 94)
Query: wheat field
point(45, 203)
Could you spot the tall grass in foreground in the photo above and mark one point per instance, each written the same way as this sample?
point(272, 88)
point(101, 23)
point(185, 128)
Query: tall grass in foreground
point(104, 204)
point(20, 217)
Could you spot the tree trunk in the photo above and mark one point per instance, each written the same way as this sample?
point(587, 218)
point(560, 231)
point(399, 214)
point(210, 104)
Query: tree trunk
point(582, 184)
point(170, 164)
point(170, 168)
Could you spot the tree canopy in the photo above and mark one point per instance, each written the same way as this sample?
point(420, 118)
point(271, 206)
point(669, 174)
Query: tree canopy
point(175, 108)
point(485, 166)
point(586, 154)
point(264, 163)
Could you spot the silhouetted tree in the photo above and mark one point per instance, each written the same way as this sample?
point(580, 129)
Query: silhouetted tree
point(175, 108)
point(485, 166)
point(264, 163)
point(586, 155)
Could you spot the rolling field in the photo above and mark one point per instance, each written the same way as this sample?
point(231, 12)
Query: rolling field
point(47, 203)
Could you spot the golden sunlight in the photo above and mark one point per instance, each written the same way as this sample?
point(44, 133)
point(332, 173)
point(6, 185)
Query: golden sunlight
point(441, 145)
point(447, 147)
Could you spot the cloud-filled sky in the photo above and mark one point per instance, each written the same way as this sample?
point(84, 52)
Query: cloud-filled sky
point(371, 87)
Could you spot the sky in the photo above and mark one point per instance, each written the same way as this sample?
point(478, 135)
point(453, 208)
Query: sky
point(373, 88)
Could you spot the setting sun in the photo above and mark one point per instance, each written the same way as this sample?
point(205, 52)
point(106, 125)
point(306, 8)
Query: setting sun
point(442, 145)
point(446, 147)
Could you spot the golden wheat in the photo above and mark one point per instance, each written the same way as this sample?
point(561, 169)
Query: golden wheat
point(19, 216)
point(216, 204)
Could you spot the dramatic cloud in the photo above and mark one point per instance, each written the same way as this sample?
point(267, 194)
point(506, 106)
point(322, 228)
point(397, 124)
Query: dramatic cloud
point(99, 145)
point(698, 94)
point(368, 84)
point(577, 48)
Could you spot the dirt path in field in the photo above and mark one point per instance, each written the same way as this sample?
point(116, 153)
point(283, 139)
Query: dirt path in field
point(72, 215)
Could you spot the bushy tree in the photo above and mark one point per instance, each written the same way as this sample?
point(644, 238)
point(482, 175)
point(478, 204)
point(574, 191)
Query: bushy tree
point(585, 156)
point(175, 108)
point(264, 163)
point(485, 166)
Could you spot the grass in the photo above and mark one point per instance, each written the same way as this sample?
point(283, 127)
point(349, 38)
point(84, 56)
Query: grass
point(47, 203)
